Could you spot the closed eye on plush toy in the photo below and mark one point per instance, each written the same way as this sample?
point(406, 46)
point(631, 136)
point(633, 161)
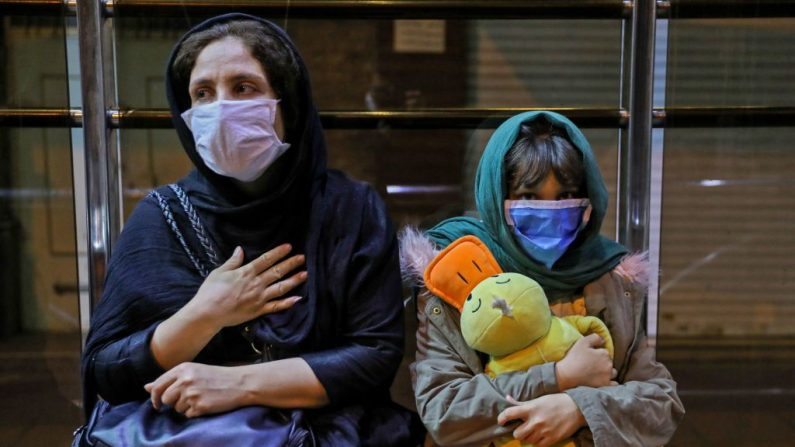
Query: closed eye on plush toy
point(503, 282)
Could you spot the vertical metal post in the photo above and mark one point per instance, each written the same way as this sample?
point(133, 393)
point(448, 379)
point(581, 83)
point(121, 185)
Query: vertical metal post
point(635, 150)
point(10, 228)
point(99, 201)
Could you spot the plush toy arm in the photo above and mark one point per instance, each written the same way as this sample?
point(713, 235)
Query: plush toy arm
point(592, 325)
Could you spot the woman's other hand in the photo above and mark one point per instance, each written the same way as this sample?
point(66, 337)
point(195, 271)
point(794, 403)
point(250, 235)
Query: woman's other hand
point(586, 364)
point(545, 420)
point(233, 294)
point(195, 389)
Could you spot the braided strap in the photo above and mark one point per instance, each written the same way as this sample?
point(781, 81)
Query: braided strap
point(161, 201)
point(196, 223)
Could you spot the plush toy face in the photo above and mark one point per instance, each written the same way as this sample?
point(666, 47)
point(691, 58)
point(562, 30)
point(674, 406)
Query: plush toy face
point(505, 313)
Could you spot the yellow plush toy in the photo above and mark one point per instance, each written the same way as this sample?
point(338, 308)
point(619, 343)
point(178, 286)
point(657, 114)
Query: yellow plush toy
point(505, 315)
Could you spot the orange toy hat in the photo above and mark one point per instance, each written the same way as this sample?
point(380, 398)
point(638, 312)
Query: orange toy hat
point(461, 266)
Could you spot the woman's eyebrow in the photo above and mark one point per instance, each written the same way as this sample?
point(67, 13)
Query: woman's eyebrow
point(200, 81)
point(240, 76)
point(243, 76)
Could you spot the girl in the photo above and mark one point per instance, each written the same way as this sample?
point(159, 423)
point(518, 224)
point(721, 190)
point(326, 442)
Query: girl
point(541, 201)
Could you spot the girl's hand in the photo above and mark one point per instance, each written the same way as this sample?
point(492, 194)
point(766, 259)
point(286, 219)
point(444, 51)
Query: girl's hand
point(231, 294)
point(586, 364)
point(195, 389)
point(545, 420)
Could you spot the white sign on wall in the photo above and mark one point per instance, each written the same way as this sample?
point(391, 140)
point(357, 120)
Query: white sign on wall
point(419, 36)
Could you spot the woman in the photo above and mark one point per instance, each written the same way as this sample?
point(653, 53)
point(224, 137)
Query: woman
point(296, 336)
point(533, 176)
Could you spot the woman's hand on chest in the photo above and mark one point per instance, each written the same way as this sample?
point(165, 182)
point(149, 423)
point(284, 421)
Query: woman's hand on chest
point(234, 293)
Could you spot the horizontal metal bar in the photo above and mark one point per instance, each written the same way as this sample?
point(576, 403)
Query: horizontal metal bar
point(346, 9)
point(461, 118)
point(61, 288)
point(33, 7)
point(387, 9)
point(398, 119)
point(44, 117)
point(396, 9)
point(489, 118)
point(725, 343)
point(688, 117)
point(445, 118)
point(716, 9)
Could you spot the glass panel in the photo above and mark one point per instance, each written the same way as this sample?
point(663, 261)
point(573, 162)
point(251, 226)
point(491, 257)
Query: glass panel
point(39, 327)
point(726, 302)
point(726, 239)
point(387, 64)
point(370, 64)
point(726, 306)
point(725, 266)
point(150, 157)
point(544, 63)
point(731, 62)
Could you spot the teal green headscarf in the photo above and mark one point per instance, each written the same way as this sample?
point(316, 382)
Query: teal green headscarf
point(591, 256)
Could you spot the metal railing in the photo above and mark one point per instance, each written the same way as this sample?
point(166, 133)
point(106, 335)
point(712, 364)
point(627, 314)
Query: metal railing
point(395, 9)
point(634, 115)
point(488, 118)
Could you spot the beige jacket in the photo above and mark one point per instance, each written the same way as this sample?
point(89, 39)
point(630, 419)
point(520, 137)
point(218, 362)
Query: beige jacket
point(459, 404)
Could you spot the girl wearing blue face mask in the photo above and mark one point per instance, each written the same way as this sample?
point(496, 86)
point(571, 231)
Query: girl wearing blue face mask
point(541, 200)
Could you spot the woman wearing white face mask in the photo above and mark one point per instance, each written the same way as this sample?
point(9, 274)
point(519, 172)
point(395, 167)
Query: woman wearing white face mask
point(541, 200)
point(261, 292)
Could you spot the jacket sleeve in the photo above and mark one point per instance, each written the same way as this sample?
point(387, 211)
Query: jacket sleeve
point(370, 343)
point(644, 410)
point(121, 368)
point(456, 401)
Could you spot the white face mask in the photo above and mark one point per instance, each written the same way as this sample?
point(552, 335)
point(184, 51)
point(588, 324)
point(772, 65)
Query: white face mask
point(236, 138)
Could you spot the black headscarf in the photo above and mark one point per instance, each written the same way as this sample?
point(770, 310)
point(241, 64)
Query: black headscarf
point(291, 213)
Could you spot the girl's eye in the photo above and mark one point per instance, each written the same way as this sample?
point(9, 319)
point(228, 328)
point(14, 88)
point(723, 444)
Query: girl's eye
point(566, 196)
point(528, 196)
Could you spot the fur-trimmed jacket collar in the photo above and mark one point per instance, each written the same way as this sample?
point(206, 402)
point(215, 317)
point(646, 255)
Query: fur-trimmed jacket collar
point(417, 251)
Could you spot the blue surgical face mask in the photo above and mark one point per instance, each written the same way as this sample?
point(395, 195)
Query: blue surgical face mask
point(546, 228)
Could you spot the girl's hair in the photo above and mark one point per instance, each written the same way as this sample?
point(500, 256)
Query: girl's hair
point(539, 149)
point(275, 57)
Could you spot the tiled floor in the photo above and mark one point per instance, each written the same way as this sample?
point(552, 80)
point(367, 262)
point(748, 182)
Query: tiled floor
point(728, 403)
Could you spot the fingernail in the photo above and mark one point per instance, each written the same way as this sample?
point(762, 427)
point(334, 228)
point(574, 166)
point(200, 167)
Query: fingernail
point(237, 251)
point(297, 298)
